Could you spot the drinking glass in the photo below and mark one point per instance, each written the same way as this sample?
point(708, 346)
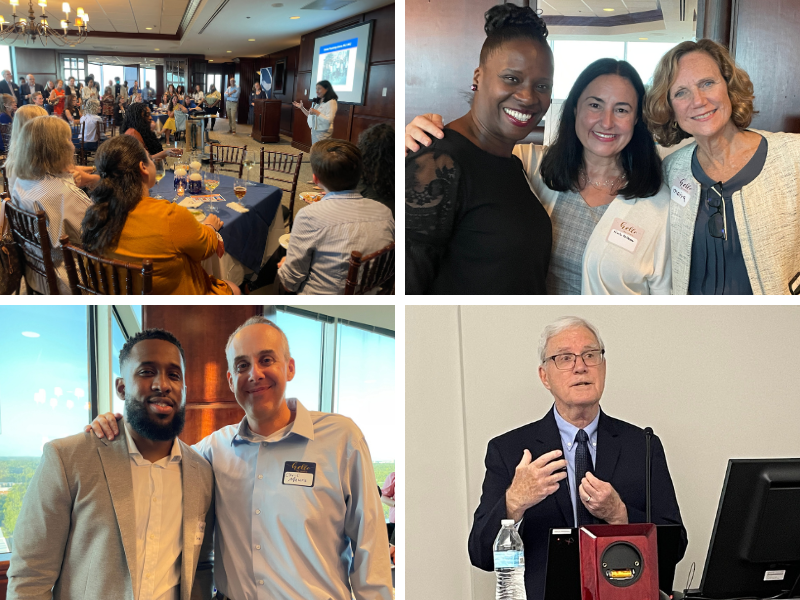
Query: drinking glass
point(240, 189)
point(180, 191)
point(211, 181)
point(249, 161)
point(160, 172)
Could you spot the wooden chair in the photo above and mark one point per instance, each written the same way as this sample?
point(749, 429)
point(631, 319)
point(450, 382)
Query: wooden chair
point(5, 131)
point(371, 271)
point(30, 234)
point(282, 171)
point(227, 155)
point(93, 272)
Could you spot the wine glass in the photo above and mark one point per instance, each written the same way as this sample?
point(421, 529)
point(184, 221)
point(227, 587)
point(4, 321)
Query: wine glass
point(249, 160)
point(240, 189)
point(160, 172)
point(211, 181)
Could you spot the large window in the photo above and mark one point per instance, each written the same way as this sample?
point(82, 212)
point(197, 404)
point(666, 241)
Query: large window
point(44, 393)
point(74, 66)
point(347, 368)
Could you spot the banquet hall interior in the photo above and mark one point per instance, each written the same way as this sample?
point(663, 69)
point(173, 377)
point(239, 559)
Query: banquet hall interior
point(258, 144)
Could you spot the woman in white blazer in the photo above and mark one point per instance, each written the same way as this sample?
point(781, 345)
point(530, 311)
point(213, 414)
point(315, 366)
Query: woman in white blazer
point(601, 183)
point(735, 209)
point(322, 112)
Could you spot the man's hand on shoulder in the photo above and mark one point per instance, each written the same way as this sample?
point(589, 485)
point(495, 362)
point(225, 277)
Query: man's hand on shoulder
point(534, 480)
point(105, 426)
point(602, 500)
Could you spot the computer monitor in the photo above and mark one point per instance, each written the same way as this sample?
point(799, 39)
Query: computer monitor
point(755, 545)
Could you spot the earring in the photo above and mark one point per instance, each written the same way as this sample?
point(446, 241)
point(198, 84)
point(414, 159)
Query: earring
point(473, 87)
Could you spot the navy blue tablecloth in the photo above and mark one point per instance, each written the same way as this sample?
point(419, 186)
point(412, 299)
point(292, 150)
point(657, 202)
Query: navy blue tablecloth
point(244, 234)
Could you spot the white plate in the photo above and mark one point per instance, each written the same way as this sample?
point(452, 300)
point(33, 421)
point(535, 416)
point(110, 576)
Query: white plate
point(284, 240)
point(304, 196)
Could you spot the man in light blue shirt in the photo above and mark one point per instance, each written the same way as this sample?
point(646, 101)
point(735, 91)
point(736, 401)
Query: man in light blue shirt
point(299, 516)
point(232, 105)
point(149, 93)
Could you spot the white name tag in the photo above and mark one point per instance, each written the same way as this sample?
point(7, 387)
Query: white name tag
point(681, 190)
point(304, 479)
point(200, 533)
point(774, 575)
point(625, 235)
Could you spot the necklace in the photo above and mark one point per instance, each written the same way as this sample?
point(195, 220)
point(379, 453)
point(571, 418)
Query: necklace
point(612, 185)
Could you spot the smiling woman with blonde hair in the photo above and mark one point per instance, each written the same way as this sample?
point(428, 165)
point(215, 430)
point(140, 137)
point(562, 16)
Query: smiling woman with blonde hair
point(735, 215)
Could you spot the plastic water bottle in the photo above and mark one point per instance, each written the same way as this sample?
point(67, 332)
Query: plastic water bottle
point(509, 563)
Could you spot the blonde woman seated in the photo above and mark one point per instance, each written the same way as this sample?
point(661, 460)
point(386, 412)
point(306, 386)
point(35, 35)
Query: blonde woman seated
point(125, 223)
point(42, 165)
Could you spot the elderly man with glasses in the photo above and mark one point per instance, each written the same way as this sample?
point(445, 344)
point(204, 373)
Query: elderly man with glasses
point(542, 475)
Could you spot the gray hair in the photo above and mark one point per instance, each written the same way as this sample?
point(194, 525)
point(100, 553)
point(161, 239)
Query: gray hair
point(6, 71)
point(562, 324)
point(259, 320)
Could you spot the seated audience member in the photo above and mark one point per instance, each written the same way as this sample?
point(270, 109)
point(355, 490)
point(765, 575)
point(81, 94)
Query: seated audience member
point(377, 152)
point(125, 223)
point(43, 165)
point(71, 113)
point(139, 118)
point(169, 125)
point(22, 116)
point(108, 102)
point(180, 113)
point(326, 232)
point(91, 125)
point(38, 100)
point(8, 105)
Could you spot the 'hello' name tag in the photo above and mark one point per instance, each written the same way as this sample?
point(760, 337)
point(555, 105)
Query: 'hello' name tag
point(625, 235)
point(299, 473)
point(681, 190)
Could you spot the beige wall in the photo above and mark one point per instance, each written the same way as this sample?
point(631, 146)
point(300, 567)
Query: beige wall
point(714, 382)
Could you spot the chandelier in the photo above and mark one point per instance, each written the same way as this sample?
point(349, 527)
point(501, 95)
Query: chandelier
point(27, 28)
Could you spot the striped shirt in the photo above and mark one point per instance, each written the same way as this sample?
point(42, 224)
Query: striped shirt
point(64, 204)
point(324, 235)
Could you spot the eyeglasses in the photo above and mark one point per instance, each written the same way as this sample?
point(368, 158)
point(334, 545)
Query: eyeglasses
point(566, 362)
point(717, 224)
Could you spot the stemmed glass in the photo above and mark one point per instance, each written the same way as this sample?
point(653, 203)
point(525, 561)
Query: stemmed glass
point(211, 181)
point(249, 161)
point(240, 189)
point(160, 172)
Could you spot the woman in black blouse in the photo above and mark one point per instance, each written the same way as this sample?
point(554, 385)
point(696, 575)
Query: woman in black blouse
point(473, 225)
point(256, 94)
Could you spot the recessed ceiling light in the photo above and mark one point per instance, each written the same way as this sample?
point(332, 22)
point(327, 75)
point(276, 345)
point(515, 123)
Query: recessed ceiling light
point(294, 17)
point(229, 51)
point(156, 49)
point(608, 9)
point(251, 40)
point(211, 60)
point(642, 38)
point(149, 28)
point(30, 334)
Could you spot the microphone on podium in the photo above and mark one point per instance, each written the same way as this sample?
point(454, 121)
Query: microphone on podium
point(648, 434)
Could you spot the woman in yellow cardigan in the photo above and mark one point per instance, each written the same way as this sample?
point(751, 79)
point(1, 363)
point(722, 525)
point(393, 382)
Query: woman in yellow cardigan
point(125, 223)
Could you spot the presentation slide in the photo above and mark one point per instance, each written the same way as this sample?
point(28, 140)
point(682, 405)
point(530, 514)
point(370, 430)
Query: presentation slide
point(342, 58)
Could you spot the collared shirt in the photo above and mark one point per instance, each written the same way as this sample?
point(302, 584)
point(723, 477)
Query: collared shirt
point(568, 431)
point(149, 94)
point(158, 500)
point(232, 94)
point(276, 541)
point(324, 235)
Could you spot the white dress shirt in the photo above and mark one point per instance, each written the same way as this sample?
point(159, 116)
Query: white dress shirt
point(158, 499)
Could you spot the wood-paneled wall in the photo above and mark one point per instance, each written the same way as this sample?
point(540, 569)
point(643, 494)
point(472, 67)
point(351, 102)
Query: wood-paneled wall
point(203, 332)
point(292, 56)
point(351, 120)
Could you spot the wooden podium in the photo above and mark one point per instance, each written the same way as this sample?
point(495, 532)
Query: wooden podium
point(267, 121)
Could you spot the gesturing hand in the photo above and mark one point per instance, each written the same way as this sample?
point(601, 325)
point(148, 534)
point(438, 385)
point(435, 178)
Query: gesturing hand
point(534, 481)
point(602, 500)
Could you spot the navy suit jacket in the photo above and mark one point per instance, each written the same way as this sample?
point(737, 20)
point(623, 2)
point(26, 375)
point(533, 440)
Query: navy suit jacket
point(621, 460)
point(11, 89)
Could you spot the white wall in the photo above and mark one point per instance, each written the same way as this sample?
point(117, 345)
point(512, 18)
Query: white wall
point(714, 382)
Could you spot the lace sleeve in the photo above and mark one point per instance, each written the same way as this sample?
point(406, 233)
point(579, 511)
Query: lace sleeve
point(431, 205)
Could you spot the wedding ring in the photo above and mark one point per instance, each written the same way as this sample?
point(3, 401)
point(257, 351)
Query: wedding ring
point(588, 498)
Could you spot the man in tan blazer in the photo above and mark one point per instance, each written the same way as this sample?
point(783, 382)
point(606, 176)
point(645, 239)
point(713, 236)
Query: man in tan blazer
point(124, 519)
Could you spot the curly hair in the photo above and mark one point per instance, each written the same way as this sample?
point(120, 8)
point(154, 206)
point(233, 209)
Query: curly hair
point(136, 118)
point(506, 22)
point(658, 105)
point(377, 155)
point(117, 194)
point(148, 334)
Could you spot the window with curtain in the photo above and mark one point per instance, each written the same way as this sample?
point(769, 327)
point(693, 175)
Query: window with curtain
point(44, 393)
